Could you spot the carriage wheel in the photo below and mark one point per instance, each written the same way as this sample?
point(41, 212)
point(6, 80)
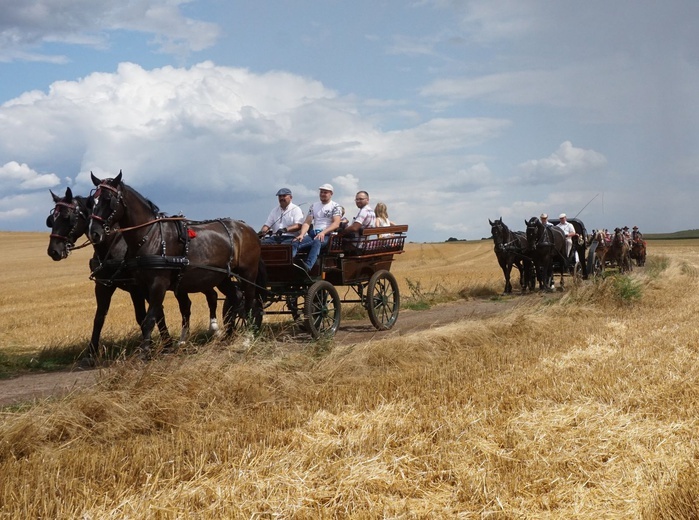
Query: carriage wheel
point(597, 266)
point(322, 309)
point(383, 300)
point(241, 322)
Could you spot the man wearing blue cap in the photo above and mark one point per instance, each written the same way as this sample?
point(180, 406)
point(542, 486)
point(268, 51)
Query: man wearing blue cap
point(283, 222)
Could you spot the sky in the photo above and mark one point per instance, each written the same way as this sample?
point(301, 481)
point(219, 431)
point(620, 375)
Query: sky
point(452, 112)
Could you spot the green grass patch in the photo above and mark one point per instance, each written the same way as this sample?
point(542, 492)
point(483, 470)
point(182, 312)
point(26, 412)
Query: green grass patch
point(627, 290)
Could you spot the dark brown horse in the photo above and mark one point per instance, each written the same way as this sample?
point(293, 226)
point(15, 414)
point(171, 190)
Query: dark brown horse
point(511, 250)
point(638, 251)
point(172, 253)
point(545, 244)
point(619, 251)
point(68, 221)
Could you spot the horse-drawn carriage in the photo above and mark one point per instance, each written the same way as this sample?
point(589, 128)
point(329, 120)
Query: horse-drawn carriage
point(360, 263)
point(548, 250)
point(575, 264)
point(540, 252)
point(176, 254)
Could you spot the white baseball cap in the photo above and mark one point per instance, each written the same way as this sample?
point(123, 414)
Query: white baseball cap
point(326, 187)
point(562, 215)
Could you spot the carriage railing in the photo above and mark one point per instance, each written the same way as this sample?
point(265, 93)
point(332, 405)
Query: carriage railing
point(366, 241)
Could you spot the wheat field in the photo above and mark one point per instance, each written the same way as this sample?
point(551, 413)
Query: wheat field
point(580, 405)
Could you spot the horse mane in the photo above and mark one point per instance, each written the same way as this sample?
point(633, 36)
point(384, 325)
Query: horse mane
point(154, 208)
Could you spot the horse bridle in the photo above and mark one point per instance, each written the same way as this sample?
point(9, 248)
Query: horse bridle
point(74, 215)
point(114, 203)
point(500, 243)
point(542, 231)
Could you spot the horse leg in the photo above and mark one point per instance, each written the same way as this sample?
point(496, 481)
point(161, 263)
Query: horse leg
point(103, 297)
point(522, 281)
point(508, 285)
point(530, 274)
point(212, 302)
point(540, 271)
point(253, 306)
point(155, 315)
point(231, 305)
point(185, 304)
point(549, 276)
point(506, 268)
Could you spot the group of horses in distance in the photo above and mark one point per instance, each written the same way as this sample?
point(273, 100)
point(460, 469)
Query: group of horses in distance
point(619, 249)
point(146, 253)
point(536, 251)
point(532, 252)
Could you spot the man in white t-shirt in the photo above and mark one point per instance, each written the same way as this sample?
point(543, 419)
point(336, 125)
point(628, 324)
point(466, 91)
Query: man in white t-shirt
point(322, 219)
point(568, 231)
point(365, 216)
point(284, 221)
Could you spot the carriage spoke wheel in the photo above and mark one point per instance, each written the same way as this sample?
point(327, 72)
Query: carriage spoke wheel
point(383, 300)
point(241, 322)
point(597, 266)
point(322, 309)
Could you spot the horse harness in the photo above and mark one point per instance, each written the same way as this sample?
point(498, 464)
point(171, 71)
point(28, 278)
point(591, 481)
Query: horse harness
point(163, 260)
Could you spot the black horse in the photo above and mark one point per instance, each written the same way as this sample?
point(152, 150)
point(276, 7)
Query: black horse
point(545, 244)
point(511, 248)
point(68, 221)
point(172, 253)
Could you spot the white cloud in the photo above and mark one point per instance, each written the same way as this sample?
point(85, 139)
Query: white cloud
point(28, 24)
point(564, 164)
point(184, 136)
point(15, 176)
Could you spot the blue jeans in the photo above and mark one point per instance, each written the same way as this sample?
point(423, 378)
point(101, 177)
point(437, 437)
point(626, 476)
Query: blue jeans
point(274, 239)
point(310, 244)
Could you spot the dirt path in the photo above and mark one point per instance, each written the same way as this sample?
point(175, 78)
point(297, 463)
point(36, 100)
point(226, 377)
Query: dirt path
point(36, 386)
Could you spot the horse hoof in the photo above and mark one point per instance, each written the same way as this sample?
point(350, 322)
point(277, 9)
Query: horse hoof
point(213, 326)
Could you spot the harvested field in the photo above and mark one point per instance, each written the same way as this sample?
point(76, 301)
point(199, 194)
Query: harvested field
point(582, 404)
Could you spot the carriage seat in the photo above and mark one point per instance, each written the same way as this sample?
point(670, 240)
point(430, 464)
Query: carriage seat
point(374, 240)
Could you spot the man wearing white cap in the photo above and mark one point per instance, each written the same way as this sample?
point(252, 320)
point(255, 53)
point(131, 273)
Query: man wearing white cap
point(323, 218)
point(545, 219)
point(283, 222)
point(568, 231)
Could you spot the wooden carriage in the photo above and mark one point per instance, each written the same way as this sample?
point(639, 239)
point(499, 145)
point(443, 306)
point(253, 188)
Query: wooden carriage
point(361, 263)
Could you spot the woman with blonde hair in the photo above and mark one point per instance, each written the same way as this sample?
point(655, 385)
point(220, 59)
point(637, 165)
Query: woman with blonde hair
point(382, 220)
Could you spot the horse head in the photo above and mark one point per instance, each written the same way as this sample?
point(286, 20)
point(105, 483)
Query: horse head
point(534, 231)
point(68, 220)
point(108, 207)
point(499, 232)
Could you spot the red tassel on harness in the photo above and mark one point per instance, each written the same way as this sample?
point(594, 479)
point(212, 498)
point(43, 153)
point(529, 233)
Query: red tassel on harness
point(191, 233)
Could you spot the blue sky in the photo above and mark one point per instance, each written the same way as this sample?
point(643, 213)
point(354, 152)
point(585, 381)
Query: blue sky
point(451, 112)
